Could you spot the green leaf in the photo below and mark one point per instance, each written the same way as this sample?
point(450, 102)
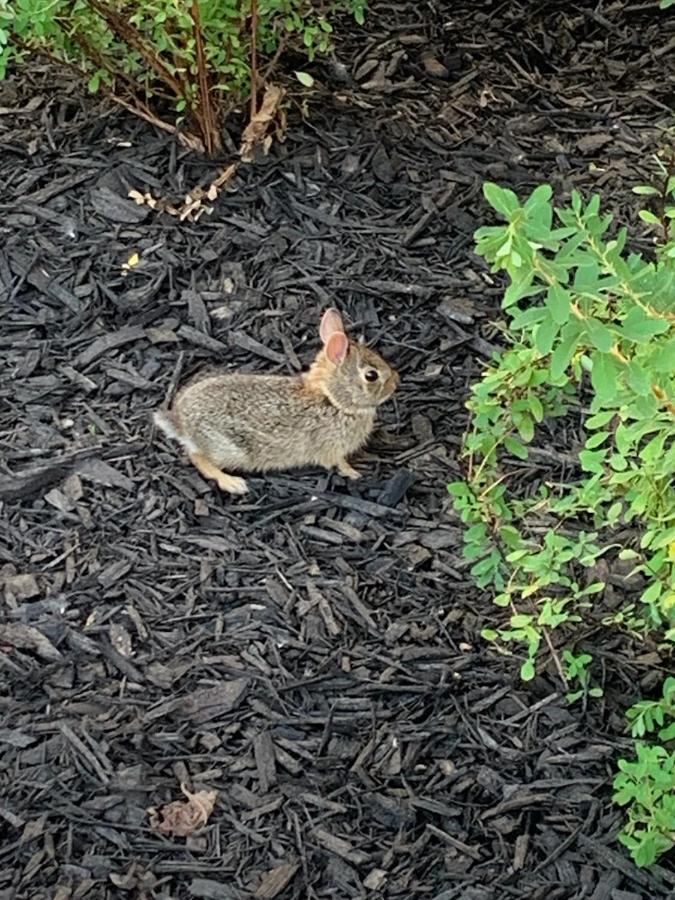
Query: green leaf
point(593, 461)
point(476, 532)
point(596, 439)
point(544, 336)
point(599, 420)
point(527, 670)
point(604, 376)
point(640, 327)
point(638, 379)
point(488, 634)
point(599, 335)
point(515, 448)
point(305, 79)
point(652, 594)
point(485, 565)
point(536, 408)
point(645, 853)
point(649, 217)
point(563, 353)
point(628, 554)
point(645, 189)
point(459, 489)
point(526, 428)
point(539, 196)
point(558, 301)
point(587, 275)
point(501, 199)
point(667, 734)
point(532, 316)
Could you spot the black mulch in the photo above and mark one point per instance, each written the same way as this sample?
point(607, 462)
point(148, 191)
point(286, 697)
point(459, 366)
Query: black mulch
point(311, 652)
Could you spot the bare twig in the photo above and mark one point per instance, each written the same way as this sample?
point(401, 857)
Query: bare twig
point(554, 654)
point(191, 141)
point(254, 58)
point(206, 115)
point(128, 33)
point(269, 68)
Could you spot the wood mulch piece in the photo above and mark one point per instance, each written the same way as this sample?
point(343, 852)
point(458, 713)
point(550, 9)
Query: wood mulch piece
point(310, 652)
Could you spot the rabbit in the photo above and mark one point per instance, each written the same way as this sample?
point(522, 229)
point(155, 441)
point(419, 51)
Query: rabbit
point(257, 423)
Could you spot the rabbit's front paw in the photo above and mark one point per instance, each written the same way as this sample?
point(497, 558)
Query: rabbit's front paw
point(345, 469)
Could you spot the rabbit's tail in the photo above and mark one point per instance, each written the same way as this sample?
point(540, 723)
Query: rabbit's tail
point(165, 421)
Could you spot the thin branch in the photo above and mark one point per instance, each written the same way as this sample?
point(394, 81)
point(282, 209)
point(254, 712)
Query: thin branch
point(132, 37)
point(254, 58)
point(206, 115)
point(269, 68)
point(191, 141)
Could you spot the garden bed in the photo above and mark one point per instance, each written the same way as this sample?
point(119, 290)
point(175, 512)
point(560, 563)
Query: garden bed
point(311, 651)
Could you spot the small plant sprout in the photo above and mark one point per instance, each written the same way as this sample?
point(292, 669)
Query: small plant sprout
point(577, 673)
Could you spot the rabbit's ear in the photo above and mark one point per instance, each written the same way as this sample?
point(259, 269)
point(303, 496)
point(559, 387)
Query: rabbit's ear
point(337, 347)
point(331, 323)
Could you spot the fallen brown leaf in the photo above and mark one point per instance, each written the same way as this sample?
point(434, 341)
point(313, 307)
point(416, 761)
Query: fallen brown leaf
point(183, 817)
point(256, 131)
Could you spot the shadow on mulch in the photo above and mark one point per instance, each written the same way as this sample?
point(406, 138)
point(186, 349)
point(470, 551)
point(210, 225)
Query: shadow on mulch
point(310, 652)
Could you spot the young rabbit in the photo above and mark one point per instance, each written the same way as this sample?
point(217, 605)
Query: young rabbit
point(255, 423)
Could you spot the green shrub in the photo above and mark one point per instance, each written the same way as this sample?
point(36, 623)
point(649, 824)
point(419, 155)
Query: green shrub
point(646, 786)
point(195, 55)
point(591, 337)
point(597, 327)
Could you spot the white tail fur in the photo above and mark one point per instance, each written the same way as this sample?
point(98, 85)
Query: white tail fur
point(164, 421)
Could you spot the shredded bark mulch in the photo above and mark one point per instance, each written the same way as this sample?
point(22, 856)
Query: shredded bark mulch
point(286, 695)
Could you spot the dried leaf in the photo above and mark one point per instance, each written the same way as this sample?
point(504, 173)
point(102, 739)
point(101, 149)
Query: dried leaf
point(256, 130)
point(183, 817)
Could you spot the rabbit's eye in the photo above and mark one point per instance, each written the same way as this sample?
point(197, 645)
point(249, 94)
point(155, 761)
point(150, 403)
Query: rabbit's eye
point(372, 375)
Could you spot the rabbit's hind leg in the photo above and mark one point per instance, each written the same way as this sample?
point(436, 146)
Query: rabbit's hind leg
point(231, 484)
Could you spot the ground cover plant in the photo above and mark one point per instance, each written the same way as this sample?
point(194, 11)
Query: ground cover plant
point(590, 337)
point(199, 59)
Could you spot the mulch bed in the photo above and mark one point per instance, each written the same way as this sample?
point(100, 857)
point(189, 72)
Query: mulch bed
point(311, 651)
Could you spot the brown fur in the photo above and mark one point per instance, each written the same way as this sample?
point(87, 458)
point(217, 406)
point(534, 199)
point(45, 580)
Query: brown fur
point(257, 423)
